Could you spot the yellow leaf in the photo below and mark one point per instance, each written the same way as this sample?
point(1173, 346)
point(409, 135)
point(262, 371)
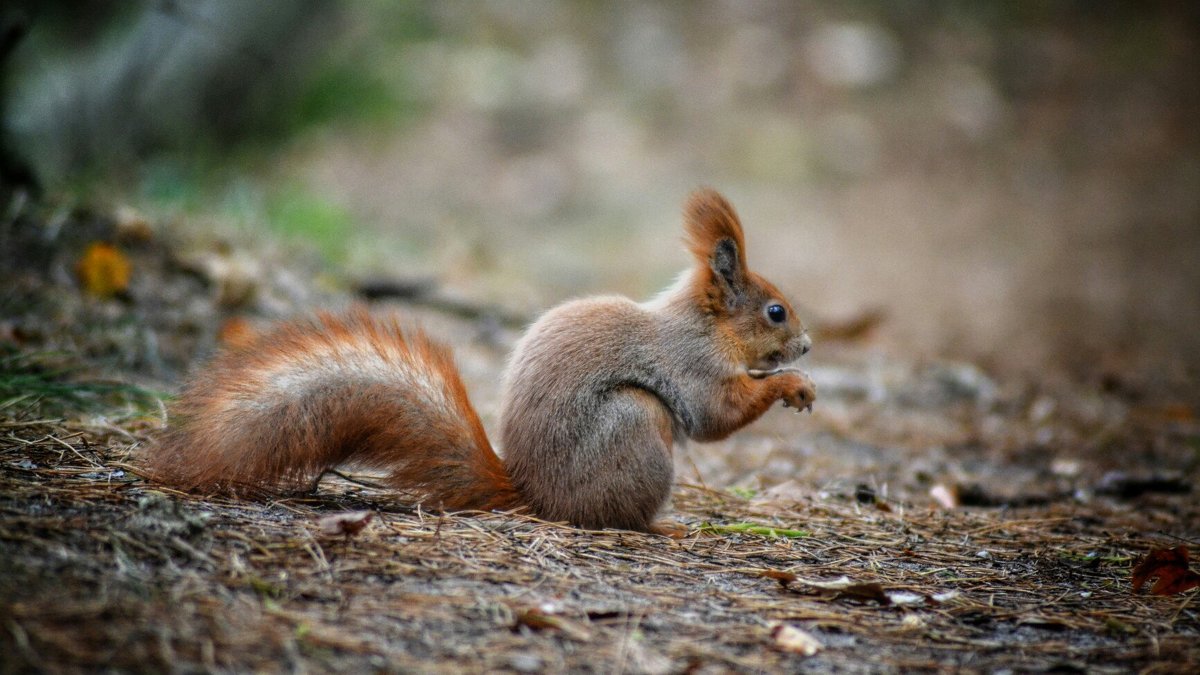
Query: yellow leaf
point(103, 270)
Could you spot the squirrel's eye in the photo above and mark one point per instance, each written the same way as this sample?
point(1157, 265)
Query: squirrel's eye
point(776, 313)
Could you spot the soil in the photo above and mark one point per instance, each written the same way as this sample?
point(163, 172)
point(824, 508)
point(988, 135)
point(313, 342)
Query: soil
point(929, 515)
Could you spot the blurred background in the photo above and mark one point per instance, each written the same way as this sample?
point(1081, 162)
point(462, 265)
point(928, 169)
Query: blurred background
point(1015, 183)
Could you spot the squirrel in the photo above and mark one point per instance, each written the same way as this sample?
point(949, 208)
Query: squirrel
point(596, 394)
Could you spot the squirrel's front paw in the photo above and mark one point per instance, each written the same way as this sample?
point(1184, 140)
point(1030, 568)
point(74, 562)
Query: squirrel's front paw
point(802, 395)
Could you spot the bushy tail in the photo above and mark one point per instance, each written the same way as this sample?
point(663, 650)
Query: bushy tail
point(279, 409)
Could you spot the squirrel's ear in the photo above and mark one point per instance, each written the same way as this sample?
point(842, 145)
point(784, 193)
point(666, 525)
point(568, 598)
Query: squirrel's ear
point(714, 236)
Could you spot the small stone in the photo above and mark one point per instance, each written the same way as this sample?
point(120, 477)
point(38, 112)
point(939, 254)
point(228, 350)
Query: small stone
point(525, 663)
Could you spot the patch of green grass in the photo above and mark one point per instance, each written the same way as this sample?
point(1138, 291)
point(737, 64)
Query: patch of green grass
point(756, 529)
point(342, 93)
point(303, 215)
point(51, 383)
point(291, 210)
point(742, 492)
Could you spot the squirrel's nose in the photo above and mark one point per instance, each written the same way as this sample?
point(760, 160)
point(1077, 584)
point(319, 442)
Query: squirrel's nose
point(805, 344)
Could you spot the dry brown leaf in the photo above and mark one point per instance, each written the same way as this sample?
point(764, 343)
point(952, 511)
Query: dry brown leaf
point(845, 588)
point(103, 270)
point(539, 619)
point(1171, 568)
point(345, 524)
point(788, 638)
point(784, 578)
point(869, 590)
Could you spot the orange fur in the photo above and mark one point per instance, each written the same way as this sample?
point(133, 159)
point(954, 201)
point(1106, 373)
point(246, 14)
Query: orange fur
point(276, 411)
point(708, 218)
point(709, 221)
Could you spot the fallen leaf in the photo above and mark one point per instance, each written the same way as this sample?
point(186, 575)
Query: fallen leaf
point(1171, 568)
point(845, 588)
point(867, 591)
point(539, 620)
point(784, 578)
point(103, 270)
point(831, 585)
point(345, 524)
point(788, 638)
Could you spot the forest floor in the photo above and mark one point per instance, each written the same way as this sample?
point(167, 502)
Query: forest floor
point(928, 515)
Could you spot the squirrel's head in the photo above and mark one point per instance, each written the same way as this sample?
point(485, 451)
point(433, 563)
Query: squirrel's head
point(753, 317)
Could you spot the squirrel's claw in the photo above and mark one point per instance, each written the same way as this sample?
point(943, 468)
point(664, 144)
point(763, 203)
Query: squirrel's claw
point(803, 408)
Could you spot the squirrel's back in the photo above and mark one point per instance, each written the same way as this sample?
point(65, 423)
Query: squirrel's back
point(278, 410)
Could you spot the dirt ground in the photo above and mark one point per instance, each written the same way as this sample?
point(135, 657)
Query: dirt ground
point(929, 515)
point(987, 214)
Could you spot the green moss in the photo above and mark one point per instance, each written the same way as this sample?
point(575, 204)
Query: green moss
point(51, 383)
point(756, 529)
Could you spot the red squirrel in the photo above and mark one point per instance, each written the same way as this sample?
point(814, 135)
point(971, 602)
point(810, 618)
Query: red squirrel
point(596, 394)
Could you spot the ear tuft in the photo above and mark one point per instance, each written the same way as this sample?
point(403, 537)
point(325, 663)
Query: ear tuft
point(708, 219)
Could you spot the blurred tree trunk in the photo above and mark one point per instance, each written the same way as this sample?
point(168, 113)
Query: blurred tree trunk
point(15, 173)
point(181, 76)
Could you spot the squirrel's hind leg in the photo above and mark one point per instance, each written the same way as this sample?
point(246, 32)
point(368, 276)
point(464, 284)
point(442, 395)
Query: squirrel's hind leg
point(626, 457)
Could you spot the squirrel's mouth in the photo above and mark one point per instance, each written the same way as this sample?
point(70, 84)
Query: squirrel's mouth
point(791, 351)
point(770, 361)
